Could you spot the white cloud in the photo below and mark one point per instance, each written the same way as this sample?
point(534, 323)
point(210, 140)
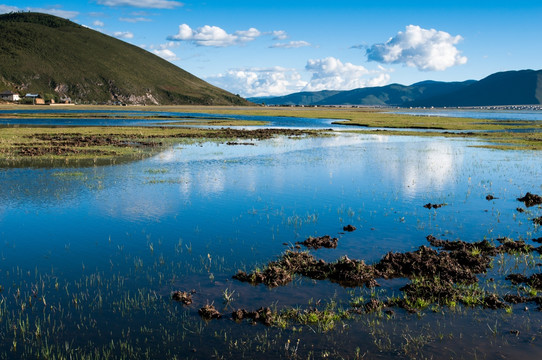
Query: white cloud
point(291, 45)
point(279, 35)
point(332, 74)
point(57, 11)
point(164, 50)
point(135, 19)
point(4, 9)
point(213, 36)
point(166, 54)
point(98, 23)
point(151, 4)
point(249, 82)
point(123, 35)
point(421, 48)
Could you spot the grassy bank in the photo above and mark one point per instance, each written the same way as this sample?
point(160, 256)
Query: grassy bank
point(504, 135)
point(98, 145)
point(131, 142)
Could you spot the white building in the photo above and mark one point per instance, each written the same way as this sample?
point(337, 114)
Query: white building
point(9, 96)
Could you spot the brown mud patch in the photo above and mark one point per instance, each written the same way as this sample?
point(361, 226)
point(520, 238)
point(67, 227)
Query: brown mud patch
point(531, 199)
point(232, 143)
point(184, 297)
point(208, 312)
point(534, 281)
point(433, 206)
point(263, 315)
point(316, 243)
point(446, 275)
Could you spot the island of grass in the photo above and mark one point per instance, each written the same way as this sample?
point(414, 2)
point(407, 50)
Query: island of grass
point(19, 145)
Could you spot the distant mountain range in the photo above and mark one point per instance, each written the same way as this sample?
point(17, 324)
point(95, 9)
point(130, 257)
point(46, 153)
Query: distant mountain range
point(522, 87)
point(57, 58)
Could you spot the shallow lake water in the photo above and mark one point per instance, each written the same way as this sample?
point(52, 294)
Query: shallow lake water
point(163, 118)
point(529, 115)
point(90, 256)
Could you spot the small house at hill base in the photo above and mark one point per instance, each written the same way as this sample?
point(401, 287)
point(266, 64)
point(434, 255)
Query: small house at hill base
point(9, 96)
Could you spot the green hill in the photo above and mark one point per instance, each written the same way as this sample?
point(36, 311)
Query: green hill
point(57, 58)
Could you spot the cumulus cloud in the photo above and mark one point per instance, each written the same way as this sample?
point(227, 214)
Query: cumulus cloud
point(150, 4)
point(213, 36)
point(332, 74)
point(166, 54)
point(98, 23)
point(57, 11)
point(249, 82)
point(421, 48)
point(123, 35)
point(4, 9)
point(135, 19)
point(291, 45)
point(164, 50)
point(279, 35)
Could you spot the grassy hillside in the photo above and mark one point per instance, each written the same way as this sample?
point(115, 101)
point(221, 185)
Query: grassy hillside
point(57, 58)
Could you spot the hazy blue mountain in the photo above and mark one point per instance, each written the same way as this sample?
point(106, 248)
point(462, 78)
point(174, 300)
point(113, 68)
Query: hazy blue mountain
point(301, 98)
point(522, 87)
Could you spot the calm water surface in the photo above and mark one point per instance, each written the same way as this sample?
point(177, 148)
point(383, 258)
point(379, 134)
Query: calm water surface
point(530, 115)
point(178, 119)
point(90, 256)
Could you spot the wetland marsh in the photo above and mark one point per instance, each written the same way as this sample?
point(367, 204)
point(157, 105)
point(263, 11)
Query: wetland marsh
point(131, 259)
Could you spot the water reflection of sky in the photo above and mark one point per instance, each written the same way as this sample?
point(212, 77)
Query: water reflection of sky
point(269, 192)
point(531, 115)
point(174, 119)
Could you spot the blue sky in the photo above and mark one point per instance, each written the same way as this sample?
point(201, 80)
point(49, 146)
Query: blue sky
point(260, 48)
